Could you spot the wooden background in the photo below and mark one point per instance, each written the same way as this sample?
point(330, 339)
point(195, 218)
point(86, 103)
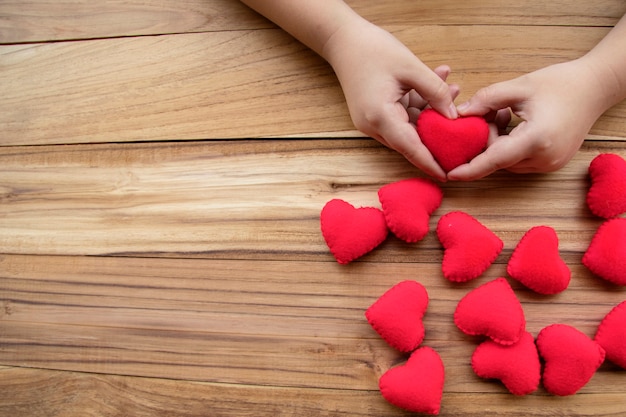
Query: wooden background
point(162, 170)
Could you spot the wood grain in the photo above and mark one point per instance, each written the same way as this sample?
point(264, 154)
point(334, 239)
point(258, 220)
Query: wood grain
point(229, 84)
point(104, 395)
point(193, 320)
point(250, 200)
point(491, 12)
point(49, 20)
point(294, 325)
point(157, 261)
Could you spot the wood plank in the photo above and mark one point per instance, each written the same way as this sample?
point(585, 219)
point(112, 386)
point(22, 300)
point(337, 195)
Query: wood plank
point(211, 290)
point(261, 298)
point(49, 20)
point(490, 12)
point(253, 200)
point(37, 393)
point(52, 20)
point(226, 84)
point(251, 323)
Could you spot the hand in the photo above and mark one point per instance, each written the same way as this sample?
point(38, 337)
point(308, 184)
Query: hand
point(558, 106)
point(386, 86)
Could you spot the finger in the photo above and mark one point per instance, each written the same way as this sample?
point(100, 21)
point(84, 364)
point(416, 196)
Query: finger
point(494, 97)
point(417, 154)
point(455, 90)
point(443, 71)
point(405, 100)
point(402, 137)
point(414, 114)
point(415, 100)
point(502, 119)
point(503, 153)
point(432, 88)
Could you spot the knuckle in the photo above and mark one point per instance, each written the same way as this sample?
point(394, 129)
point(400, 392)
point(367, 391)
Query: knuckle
point(441, 91)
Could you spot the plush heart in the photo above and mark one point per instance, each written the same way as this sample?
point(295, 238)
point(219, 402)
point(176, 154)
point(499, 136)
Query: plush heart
point(571, 358)
point(452, 142)
point(416, 386)
point(350, 232)
point(611, 335)
point(491, 310)
point(607, 194)
point(536, 262)
point(397, 315)
point(606, 254)
point(407, 206)
point(517, 366)
point(469, 247)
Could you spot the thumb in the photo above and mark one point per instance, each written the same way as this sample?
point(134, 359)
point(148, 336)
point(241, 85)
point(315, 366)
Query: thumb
point(494, 97)
point(504, 153)
point(401, 136)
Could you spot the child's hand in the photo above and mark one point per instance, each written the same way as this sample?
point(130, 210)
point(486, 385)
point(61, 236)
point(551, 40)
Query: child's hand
point(386, 86)
point(558, 106)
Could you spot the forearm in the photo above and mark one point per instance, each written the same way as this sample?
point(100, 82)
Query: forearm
point(608, 58)
point(312, 22)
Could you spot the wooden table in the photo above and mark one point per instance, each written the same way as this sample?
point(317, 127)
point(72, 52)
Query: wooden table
point(162, 170)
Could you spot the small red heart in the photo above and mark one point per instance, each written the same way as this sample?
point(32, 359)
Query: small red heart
point(469, 247)
point(397, 315)
point(452, 142)
point(491, 310)
point(536, 262)
point(571, 358)
point(611, 335)
point(607, 194)
point(416, 386)
point(350, 232)
point(606, 254)
point(517, 366)
point(407, 206)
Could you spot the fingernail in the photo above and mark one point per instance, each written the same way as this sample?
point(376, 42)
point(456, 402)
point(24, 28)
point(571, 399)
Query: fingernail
point(453, 112)
point(463, 106)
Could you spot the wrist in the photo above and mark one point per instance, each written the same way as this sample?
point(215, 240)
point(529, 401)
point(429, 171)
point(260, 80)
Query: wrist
point(347, 35)
point(609, 82)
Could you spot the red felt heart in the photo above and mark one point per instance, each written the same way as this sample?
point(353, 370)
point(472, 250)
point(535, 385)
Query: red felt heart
point(452, 142)
point(606, 254)
point(350, 232)
point(491, 310)
point(571, 358)
point(607, 194)
point(407, 206)
point(470, 248)
point(416, 386)
point(611, 335)
point(397, 315)
point(536, 262)
point(517, 366)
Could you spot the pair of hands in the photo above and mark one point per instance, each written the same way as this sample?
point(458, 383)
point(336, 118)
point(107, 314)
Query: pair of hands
point(386, 86)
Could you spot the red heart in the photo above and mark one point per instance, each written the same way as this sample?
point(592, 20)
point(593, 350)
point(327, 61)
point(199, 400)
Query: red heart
point(517, 366)
point(536, 262)
point(571, 358)
point(606, 254)
point(470, 248)
point(397, 315)
point(491, 310)
point(607, 194)
point(452, 142)
point(416, 386)
point(350, 232)
point(611, 335)
point(407, 206)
